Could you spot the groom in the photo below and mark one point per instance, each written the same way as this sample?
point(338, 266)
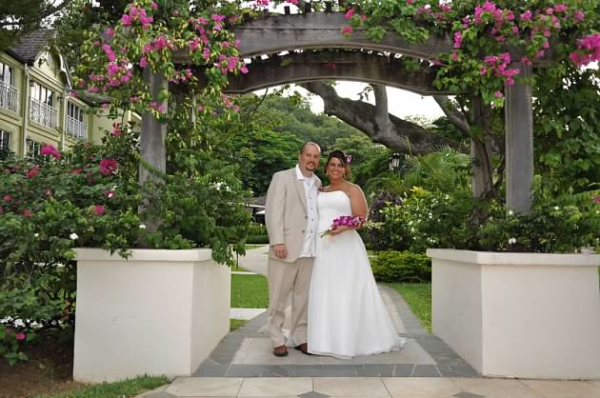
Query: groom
point(291, 218)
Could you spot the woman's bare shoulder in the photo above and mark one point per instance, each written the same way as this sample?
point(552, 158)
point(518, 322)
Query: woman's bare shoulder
point(354, 188)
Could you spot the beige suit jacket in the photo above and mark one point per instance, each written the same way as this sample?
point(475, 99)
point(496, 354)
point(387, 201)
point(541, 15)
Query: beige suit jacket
point(285, 213)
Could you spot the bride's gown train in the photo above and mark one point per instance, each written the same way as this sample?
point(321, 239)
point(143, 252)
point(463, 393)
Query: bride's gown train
point(346, 314)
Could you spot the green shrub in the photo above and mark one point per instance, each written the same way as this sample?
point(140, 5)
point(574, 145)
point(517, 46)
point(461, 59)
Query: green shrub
point(28, 304)
point(392, 266)
point(562, 224)
point(258, 239)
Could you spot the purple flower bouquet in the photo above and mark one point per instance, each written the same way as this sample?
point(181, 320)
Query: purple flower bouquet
point(347, 221)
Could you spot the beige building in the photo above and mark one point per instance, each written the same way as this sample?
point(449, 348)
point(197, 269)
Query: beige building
point(36, 106)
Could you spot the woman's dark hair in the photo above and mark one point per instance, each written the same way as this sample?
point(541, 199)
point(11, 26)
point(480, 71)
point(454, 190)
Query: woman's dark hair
point(341, 156)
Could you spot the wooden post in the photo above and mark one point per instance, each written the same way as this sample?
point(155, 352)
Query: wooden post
point(152, 141)
point(518, 113)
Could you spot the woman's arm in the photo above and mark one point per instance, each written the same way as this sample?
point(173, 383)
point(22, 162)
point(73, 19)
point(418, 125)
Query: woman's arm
point(358, 201)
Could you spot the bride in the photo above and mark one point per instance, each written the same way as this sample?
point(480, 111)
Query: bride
point(346, 315)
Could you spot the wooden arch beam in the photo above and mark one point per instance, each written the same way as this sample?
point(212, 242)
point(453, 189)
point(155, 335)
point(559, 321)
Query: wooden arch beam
point(333, 65)
point(319, 30)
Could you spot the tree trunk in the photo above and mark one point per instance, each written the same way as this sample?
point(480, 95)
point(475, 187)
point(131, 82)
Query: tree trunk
point(375, 121)
point(481, 164)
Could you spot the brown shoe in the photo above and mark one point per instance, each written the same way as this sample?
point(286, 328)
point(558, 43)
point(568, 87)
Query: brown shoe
point(280, 351)
point(304, 348)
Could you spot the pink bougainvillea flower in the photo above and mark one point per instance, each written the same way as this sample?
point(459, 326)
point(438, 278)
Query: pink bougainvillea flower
point(597, 200)
point(50, 150)
point(294, 2)
point(99, 209)
point(27, 213)
point(349, 13)
point(108, 166)
point(109, 52)
point(154, 6)
point(457, 39)
point(110, 32)
point(7, 198)
point(33, 172)
point(526, 16)
point(143, 62)
point(347, 30)
point(20, 336)
point(498, 94)
point(579, 16)
point(126, 20)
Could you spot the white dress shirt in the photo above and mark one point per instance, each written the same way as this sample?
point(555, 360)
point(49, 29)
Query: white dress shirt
point(312, 219)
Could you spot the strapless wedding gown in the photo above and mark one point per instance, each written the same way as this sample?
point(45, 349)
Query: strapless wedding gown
point(346, 315)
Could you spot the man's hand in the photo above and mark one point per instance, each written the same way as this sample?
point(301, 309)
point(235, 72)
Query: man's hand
point(280, 251)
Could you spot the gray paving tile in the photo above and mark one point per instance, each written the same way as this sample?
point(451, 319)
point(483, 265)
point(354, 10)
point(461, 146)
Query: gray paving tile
point(303, 370)
point(468, 395)
point(426, 371)
point(211, 370)
point(376, 370)
point(246, 370)
point(458, 371)
point(160, 394)
point(313, 394)
point(403, 370)
point(338, 371)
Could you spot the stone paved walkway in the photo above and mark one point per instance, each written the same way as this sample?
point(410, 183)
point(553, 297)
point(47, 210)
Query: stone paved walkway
point(384, 387)
point(242, 366)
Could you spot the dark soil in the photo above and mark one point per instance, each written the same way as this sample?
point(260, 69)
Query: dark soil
point(49, 370)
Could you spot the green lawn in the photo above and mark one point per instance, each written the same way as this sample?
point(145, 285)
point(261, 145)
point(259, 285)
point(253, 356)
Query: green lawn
point(249, 291)
point(125, 388)
point(418, 297)
point(236, 324)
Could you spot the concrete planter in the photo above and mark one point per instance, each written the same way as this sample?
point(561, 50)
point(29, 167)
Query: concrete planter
point(160, 312)
point(524, 315)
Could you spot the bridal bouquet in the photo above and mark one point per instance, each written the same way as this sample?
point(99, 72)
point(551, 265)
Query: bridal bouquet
point(347, 221)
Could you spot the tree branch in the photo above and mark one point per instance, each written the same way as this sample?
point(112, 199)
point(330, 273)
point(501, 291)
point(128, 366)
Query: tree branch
point(397, 134)
point(456, 118)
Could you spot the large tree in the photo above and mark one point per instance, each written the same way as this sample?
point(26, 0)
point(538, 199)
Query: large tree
point(17, 18)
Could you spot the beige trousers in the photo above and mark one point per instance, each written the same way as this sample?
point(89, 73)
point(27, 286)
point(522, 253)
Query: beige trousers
point(285, 278)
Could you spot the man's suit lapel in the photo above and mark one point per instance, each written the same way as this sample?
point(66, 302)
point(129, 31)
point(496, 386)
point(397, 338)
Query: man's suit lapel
point(299, 184)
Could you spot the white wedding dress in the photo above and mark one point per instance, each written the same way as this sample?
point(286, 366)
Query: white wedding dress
point(346, 315)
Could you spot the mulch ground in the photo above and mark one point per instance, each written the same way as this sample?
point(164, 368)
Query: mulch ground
point(48, 372)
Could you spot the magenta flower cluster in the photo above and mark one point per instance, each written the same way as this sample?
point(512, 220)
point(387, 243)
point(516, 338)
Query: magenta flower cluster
point(106, 167)
point(588, 50)
point(346, 221)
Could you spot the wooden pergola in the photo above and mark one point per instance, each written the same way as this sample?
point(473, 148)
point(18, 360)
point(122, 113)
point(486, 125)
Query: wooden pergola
point(370, 62)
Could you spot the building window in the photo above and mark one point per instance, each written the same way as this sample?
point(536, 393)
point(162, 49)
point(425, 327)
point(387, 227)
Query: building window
point(33, 148)
point(42, 94)
point(75, 126)
point(75, 112)
point(42, 111)
point(6, 74)
point(4, 140)
point(9, 95)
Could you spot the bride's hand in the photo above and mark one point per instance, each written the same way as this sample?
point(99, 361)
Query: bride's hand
point(338, 230)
